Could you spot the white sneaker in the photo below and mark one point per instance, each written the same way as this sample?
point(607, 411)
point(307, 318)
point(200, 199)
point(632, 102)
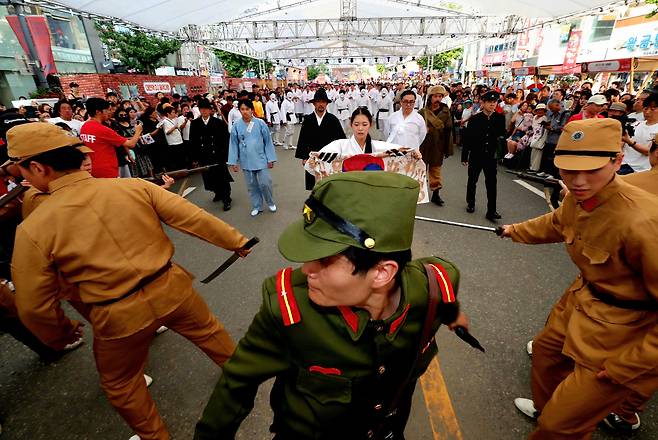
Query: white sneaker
point(509, 156)
point(161, 329)
point(272, 208)
point(292, 147)
point(134, 437)
point(528, 348)
point(148, 379)
point(73, 345)
point(254, 212)
point(527, 407)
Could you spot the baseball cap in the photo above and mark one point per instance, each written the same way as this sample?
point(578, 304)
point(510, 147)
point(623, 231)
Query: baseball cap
point(588, 144)
point(346, 209)
point(540, 107)
point(597, 99)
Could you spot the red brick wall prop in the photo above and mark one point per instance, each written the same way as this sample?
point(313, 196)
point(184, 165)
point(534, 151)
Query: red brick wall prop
point(94, 84)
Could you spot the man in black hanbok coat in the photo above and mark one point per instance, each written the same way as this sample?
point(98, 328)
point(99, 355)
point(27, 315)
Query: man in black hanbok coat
point(318, 129)
point(209, 139)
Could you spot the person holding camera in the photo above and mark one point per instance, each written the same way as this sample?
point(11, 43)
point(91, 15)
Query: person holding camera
point(636, 147)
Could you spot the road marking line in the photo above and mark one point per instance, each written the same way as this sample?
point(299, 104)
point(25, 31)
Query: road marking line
point(530, 188)
point(443, 419)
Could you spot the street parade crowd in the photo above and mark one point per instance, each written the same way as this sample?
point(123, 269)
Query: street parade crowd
point(84, 165)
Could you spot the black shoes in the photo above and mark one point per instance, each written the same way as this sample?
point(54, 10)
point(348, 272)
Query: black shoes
point(470, 209)
point(493, 216)
point(616, 423)
point(436, 198)
point(217, 198)
point(227, 206)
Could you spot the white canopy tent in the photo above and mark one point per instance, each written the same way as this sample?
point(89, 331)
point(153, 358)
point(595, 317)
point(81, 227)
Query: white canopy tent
point(323, 29)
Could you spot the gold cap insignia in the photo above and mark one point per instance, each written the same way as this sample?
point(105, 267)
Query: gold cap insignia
point(369, 243)
point(309, 215)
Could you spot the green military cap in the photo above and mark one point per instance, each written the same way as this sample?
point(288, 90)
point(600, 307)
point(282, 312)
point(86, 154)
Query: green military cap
point(366, 209)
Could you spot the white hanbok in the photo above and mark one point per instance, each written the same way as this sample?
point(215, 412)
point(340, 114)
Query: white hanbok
point(350, 147)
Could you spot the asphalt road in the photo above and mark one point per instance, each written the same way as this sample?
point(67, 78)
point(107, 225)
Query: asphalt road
point(507, 290)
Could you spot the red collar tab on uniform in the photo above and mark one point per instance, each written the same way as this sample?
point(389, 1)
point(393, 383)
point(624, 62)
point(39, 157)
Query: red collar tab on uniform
point(286, 296)
point(351, 318)
point(590, 204)
point(398, 321)
point(447, 292)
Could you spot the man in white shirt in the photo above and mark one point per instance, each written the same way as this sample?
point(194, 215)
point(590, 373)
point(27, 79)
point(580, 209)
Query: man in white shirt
point(65, 115)
point(383, 113)
point(638, 106)
point(407, 126)
point(233, 115)
point(289, 119)
point(636, 148)
point(343, 111)
point(272, 113)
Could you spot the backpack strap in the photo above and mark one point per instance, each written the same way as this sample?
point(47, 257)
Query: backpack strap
point(286, 297)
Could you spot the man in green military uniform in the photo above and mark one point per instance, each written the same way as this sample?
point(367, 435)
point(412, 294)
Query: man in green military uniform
point(348, 334)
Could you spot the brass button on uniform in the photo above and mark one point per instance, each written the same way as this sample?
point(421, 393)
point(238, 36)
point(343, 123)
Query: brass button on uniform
point(371, 434)
point(381, 369)
point(378, 407)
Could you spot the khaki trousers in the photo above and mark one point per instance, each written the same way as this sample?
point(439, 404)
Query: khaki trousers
point(571, 399)
point(435, 178)
point(121, 363)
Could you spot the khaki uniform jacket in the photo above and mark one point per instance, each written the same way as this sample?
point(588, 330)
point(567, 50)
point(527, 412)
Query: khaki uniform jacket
point(104, 236)
point(612, 240)
point(336, 370)
point(647, 180)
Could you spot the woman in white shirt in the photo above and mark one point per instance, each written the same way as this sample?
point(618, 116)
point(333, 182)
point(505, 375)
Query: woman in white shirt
point(360, 142)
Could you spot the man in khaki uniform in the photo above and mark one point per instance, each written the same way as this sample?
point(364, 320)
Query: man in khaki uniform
point(105, 236)
point(598, 345)
point(647, 180)
point(437, 144)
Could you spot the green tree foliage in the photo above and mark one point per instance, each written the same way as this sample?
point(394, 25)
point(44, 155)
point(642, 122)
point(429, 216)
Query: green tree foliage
point(312, 72)
point(443, 59)
point(137, 50)
point(235, 65)
point(655, 8)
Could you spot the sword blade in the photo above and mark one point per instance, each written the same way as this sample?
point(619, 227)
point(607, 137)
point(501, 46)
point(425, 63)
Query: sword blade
point(465, 336)
point(230, 260)
point(461, 225)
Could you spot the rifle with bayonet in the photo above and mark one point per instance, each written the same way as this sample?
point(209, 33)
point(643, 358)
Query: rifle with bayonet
point(13, 194)
point(178, 174)
point(552, 186)
point(184, 173)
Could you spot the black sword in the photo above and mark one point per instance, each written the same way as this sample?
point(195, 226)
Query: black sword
point(251, 243)
point(465, 336)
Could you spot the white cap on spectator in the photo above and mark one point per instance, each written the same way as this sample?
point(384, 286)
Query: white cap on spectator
point(597, 99)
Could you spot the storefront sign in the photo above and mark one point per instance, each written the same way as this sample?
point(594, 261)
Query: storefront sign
point(165, 71)
point(573, 46)
point(623, 65)
point(152, 88)
point(524, 71)
point(216, 80)
point(182, 71)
